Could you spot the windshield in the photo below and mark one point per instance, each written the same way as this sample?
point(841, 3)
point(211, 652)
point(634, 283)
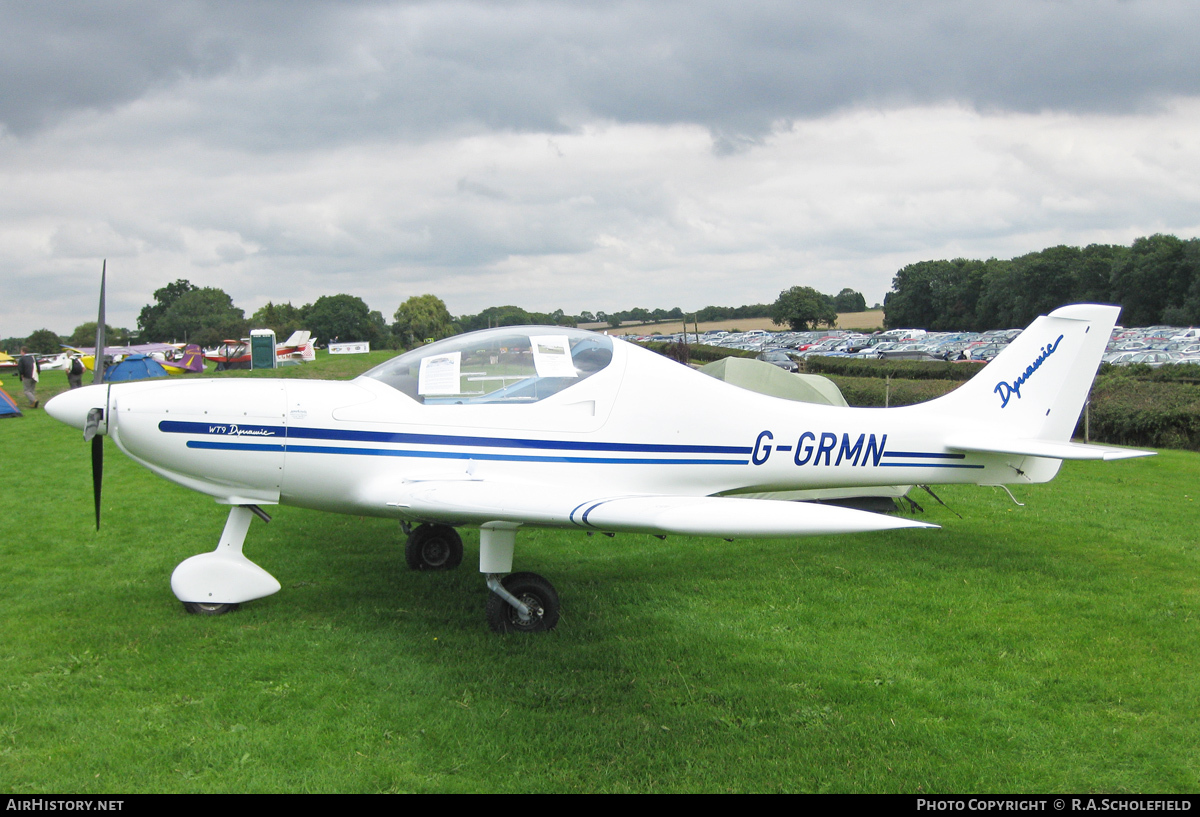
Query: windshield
point(511, 364)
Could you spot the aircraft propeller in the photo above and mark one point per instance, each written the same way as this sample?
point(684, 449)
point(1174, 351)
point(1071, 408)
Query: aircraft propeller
point(90, 433)
point(96, 415)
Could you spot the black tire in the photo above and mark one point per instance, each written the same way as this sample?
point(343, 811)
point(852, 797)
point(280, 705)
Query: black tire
point(204, 608)
point(536, 593)
point(433, 547)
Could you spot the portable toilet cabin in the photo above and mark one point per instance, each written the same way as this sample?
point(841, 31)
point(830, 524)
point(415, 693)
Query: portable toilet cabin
point(262, 349)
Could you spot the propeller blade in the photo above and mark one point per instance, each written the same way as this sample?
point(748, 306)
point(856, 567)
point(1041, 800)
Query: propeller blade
point(96, 415)
point(97, 472)
point(99, 366)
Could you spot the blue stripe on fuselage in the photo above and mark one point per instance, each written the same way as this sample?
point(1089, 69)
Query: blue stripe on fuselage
point(470, 455)
point(341, 435)
point(917, 455)
point(284, 437)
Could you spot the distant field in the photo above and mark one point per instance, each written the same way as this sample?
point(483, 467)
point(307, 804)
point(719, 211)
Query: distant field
point(871, 319)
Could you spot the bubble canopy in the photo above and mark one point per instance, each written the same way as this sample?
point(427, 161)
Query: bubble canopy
point(506, 365)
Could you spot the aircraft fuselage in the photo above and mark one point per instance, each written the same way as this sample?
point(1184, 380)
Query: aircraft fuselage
point(346, 446)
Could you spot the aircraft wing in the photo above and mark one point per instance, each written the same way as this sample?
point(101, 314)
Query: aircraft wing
point(463, 501)
point(1041, 448)
point(135, 349)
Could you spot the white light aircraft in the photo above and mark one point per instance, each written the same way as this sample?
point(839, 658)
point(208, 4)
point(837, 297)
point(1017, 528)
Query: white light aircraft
point(561, 428)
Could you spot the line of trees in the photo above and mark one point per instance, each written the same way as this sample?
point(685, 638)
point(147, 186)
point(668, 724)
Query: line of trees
point(1156, 280)
point(184, 312)
point(207, 315)
point(46, 342)
point(804, 308)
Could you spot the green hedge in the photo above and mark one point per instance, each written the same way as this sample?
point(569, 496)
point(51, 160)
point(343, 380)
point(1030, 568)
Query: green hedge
point(876, 392)
point(698, 353)
point(906, 369)
point(1130, 411)
point(1182, 372)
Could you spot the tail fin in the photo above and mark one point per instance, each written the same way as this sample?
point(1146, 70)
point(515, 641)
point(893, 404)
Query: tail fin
point(1035, 389)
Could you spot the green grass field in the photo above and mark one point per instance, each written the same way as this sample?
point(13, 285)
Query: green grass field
point(1038, 649)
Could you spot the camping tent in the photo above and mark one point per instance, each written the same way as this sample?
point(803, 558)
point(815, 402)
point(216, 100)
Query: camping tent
point(755, 375)
point(8, 406)
point(135, 367)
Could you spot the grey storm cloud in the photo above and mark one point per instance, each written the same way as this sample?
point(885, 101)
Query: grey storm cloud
point(579, 155)
point(409, 69)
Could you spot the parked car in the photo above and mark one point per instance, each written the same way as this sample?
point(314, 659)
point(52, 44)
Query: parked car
point(780, 358)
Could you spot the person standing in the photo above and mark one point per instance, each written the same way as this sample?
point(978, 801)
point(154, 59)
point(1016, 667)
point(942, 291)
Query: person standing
point(27, 368)
point(75, 372)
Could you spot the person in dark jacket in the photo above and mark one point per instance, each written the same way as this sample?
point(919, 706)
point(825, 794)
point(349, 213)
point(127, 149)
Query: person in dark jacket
point(27, 368)
point(75, 372)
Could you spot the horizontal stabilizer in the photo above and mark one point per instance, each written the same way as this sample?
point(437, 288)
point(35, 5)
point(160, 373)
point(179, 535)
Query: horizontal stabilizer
point(480, 502)
point(1041, 448)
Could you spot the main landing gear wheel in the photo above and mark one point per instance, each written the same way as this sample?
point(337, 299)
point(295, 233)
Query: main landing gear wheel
point(203, 608)
point(433, 547)
point(535, 593)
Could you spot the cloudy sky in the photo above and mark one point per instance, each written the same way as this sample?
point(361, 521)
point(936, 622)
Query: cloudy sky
point(584, 156)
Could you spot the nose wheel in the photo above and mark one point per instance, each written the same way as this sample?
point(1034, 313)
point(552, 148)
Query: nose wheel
point(522, 603)
point(200, 608)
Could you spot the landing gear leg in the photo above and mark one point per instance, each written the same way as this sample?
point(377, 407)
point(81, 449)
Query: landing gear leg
point(214, 583)
point(519, 602)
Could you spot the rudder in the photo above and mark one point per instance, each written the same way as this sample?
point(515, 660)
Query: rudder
point(1037, 386)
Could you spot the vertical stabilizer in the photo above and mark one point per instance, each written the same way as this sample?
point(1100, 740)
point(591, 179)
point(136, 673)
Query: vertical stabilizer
point(1036, 388)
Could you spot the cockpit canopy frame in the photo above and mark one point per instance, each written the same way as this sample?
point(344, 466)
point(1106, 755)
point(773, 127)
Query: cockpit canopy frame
point(506, 365)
